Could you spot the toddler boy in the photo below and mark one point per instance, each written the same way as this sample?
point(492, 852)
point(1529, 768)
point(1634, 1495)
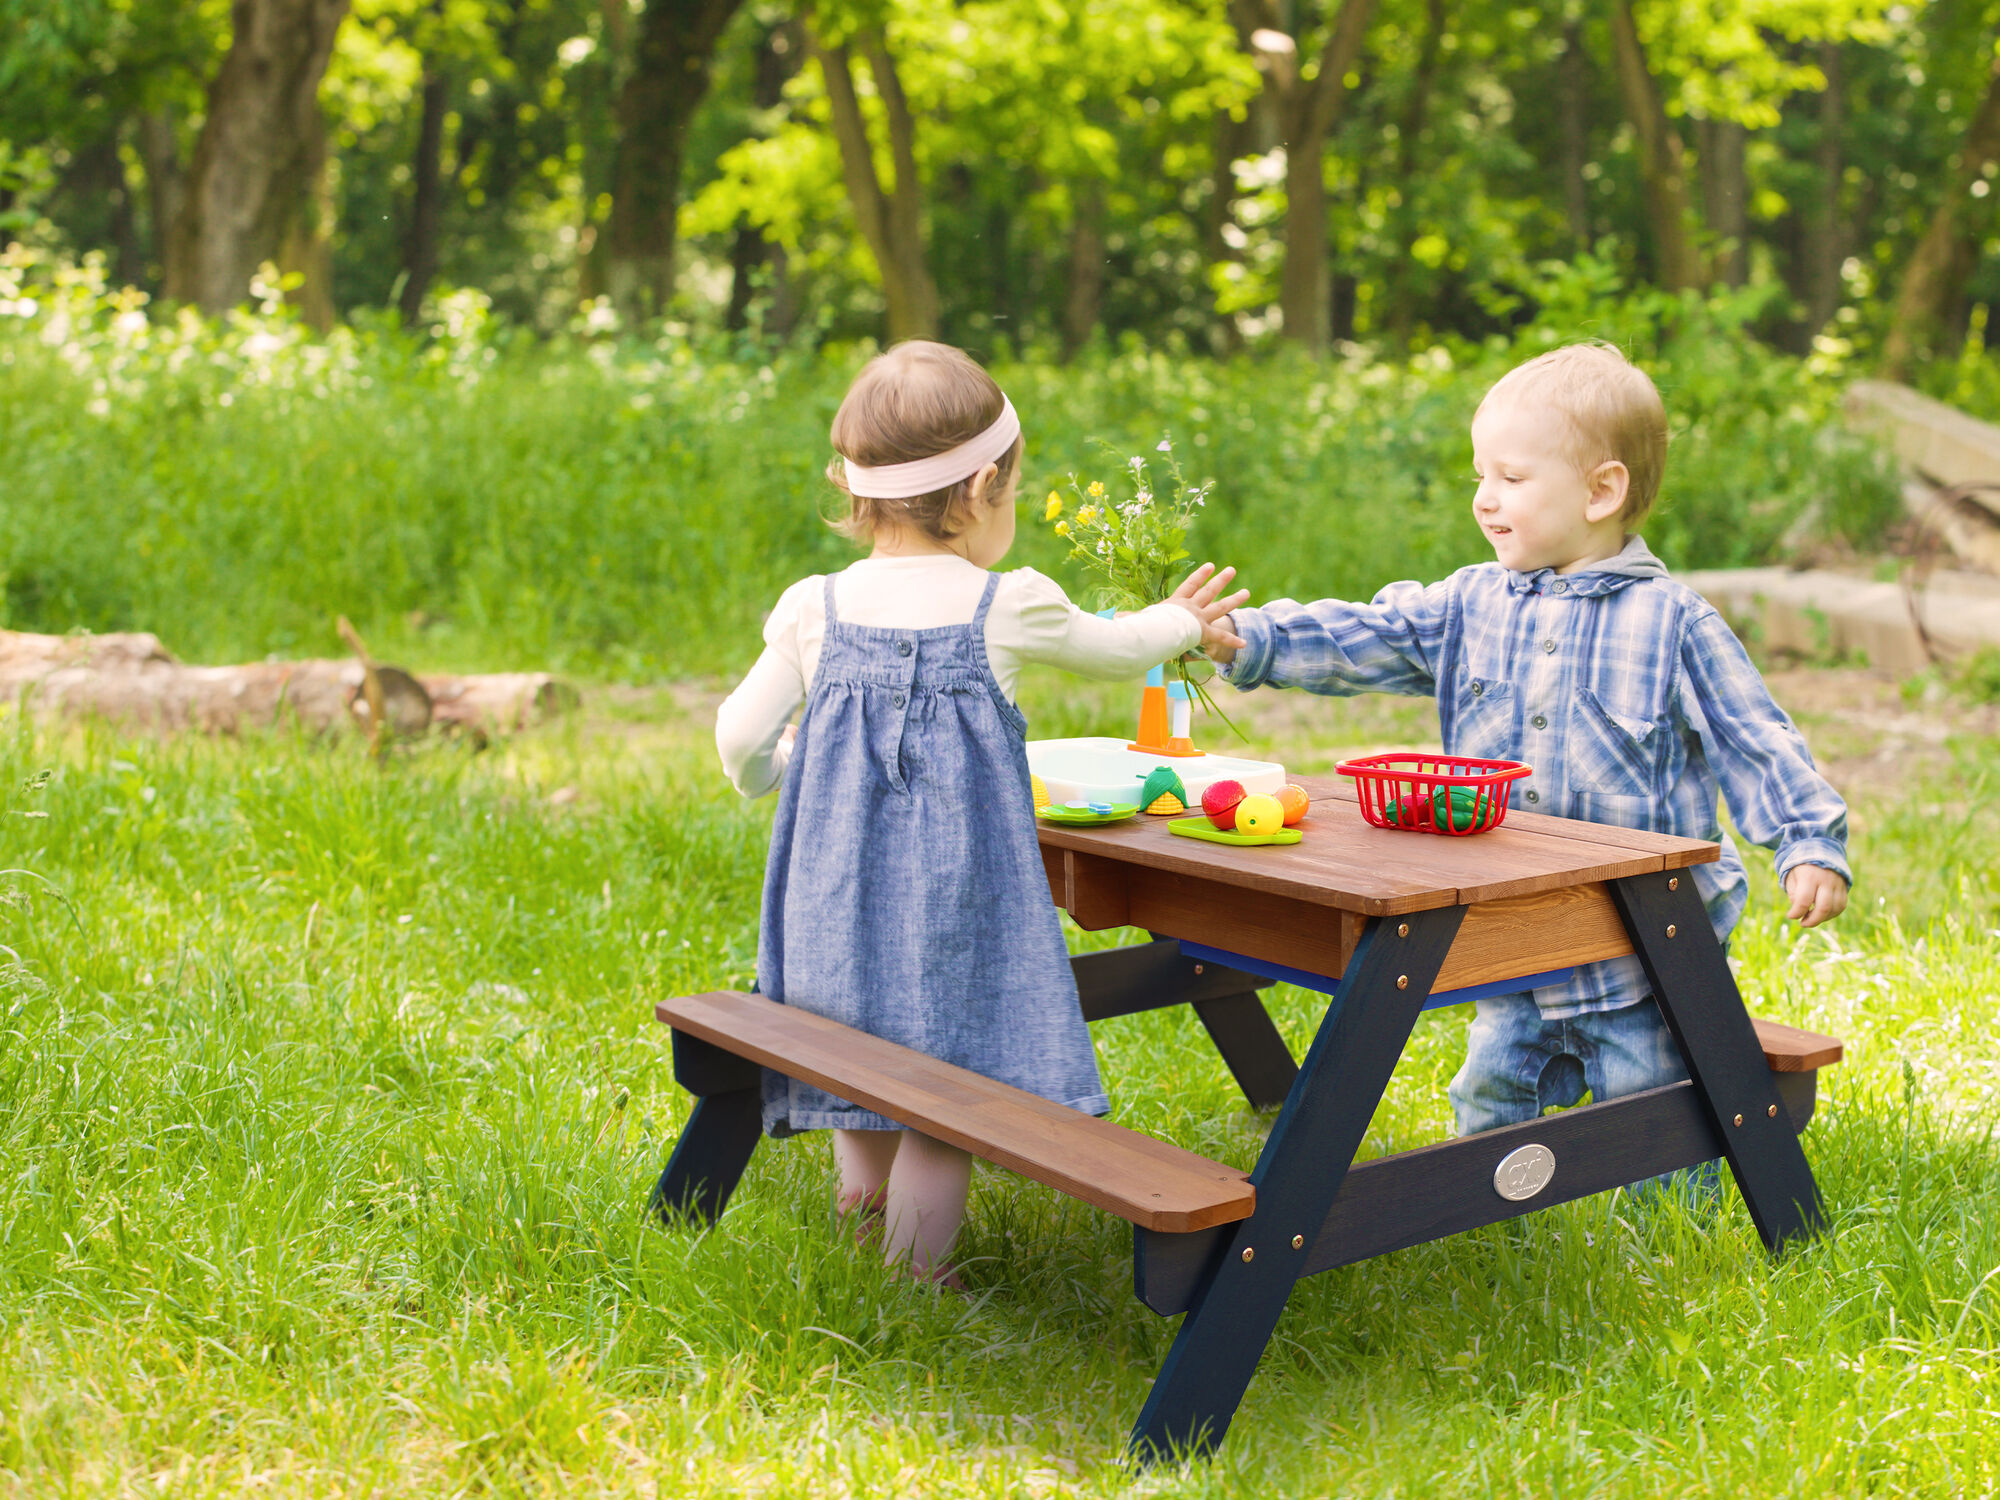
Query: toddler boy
point(1576, 653)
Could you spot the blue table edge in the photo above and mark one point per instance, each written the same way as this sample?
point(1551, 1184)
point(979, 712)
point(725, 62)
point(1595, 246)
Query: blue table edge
point(1326, 985)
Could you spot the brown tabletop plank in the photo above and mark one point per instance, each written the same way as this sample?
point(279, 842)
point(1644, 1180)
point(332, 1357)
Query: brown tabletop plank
point(1135, 1176)
point(1675, 852)
point(1344, 863)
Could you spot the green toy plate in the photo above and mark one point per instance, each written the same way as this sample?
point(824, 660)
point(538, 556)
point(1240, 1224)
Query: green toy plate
point(1201, 828)
point(1078, 817)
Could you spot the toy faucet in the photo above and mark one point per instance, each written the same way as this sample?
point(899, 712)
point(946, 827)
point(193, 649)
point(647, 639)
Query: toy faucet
point(1166, 717)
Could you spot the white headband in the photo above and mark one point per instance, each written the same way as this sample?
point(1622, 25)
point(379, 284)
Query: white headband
point(924, 476)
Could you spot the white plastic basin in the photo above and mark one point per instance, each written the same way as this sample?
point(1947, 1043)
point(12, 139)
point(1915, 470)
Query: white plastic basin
point(1101, 769)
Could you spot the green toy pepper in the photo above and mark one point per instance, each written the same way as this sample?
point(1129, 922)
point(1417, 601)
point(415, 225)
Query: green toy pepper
point(1459, 810)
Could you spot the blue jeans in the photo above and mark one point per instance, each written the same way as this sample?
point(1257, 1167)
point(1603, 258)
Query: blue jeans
point(1517, 1064)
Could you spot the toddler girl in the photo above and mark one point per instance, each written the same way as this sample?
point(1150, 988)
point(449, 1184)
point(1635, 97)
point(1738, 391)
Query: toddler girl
point(904, 893)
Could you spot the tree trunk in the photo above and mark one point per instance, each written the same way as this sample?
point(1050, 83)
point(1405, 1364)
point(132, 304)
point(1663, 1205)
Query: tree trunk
point(95, 176)
point(1945, 256)
point(890, 220)
point(305, 247)
point(250, 166)
point(1403, 310)
point(1678, 262)
point(159, 148)
point(1825, 243)
point(1573, 108)
point(749, 251)
point(1311, 109)
point(420, 244)
point(1232, 138)
point(1086, 268)
point(669, 78)
point(1723, 186)
point(131, 679)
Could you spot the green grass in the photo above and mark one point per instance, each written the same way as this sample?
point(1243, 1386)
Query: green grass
point(333, 1099)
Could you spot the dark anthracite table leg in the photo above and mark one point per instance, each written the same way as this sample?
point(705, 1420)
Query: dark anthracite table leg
point(1698, 997)
point(1234, 1313)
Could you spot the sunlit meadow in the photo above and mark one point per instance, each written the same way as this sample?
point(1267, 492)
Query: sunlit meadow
point(335, 1098)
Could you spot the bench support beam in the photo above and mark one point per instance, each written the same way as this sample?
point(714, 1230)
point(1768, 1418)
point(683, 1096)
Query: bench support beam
point(1236, 1307)
point(1152, 976)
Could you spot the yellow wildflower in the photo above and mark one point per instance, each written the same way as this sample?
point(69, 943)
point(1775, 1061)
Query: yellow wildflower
point(1062, 528)
point(1085, 516)
point(1053, 507)
point(1096, 490)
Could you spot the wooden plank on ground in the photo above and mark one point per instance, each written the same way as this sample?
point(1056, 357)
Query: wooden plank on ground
point(1124, 1172)
point(1940, 442)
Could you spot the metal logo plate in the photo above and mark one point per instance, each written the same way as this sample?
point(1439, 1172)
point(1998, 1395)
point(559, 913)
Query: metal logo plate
point(1524, 1173)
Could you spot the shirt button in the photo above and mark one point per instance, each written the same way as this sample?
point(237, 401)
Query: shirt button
point(898, 700)
point(1561, 587)
point(1534, 796)
point(1478, 688)
point(1548, 645)
point(1541, 721)
point(902, 648)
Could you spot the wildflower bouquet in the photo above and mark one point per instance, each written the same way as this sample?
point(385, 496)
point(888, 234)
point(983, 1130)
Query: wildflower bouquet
point(1135, 551)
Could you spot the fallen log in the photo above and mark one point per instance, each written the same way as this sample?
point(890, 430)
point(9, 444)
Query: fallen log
point(131, 679)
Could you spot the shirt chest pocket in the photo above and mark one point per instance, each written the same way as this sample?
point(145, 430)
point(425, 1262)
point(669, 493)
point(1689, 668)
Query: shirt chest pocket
point(1614, 752)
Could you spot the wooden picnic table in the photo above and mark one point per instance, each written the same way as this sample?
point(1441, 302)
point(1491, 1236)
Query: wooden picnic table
point(1387, 923)
point(1384, 923)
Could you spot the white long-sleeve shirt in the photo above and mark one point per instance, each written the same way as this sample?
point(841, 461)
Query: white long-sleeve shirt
point(1031, 620)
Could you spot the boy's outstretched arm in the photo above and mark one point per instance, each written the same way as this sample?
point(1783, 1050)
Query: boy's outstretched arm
point(1332, 646)
point(1774, 791)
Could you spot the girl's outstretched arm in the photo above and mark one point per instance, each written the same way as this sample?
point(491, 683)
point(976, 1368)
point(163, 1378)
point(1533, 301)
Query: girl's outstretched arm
point(751, 723)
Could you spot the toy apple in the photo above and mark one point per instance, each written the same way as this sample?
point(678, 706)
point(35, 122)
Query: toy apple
point(1292, 797)
point(1219, 802)
point(1260, 813)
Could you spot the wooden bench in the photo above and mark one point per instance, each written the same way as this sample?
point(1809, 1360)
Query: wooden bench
point(1155, 1185)
point(722, 1039)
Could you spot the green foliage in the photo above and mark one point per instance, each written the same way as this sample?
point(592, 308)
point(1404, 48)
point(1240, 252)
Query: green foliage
point(478, 499)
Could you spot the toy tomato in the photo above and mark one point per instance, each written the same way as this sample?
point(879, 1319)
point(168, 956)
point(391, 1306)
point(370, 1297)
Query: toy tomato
point(1219, 802)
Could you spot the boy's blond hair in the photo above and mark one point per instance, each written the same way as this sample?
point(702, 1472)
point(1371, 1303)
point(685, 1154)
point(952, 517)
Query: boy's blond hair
point(1610, 407)
point(915, 399)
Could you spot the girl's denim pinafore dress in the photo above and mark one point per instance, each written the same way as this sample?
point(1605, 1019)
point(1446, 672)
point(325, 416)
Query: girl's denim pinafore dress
point(905, 894)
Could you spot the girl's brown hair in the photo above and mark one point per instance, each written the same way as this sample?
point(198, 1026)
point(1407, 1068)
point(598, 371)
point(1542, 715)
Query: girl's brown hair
point(913, 401)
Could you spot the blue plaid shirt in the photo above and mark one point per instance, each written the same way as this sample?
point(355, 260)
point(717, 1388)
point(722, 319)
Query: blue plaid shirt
point(1625, 691)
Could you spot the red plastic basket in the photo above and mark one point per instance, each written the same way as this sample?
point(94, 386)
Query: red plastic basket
point(1400, 791)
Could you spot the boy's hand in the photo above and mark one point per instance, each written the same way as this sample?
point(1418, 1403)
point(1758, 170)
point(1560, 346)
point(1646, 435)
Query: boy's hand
point(1198, 595)
point(1818, 895)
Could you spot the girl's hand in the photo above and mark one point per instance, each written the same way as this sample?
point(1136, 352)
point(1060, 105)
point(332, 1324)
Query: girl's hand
point(1200, 594)
point(1818, 895)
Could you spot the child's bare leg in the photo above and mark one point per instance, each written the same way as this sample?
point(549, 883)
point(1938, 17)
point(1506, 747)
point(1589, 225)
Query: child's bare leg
point(927, 1191)
point(864, 1158)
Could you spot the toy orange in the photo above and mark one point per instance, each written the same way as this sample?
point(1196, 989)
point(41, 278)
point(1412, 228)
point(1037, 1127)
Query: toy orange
point(1292, 797)
point(1259, 813)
